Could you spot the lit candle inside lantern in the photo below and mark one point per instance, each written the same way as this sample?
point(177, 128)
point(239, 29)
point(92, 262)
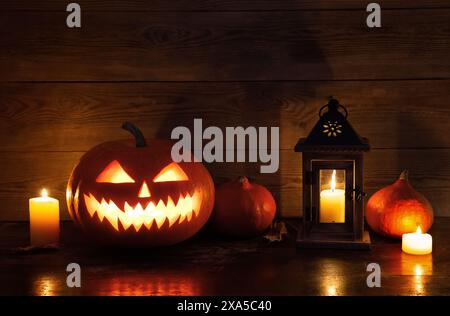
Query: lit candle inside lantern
point(417, 243)
point(332, 203)
point(44, 220)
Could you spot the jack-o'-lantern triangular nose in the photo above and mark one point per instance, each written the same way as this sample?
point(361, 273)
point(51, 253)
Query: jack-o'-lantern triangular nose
point(144, 192)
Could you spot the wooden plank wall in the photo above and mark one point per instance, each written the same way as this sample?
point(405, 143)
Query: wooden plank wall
point(230, 62)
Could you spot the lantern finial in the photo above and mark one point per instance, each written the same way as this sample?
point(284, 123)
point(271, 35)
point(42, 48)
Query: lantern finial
point(332, 107)
point(333, 104)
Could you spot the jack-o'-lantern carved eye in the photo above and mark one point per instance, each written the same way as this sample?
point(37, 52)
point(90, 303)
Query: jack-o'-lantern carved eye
point(114, 173)
point(171, 172)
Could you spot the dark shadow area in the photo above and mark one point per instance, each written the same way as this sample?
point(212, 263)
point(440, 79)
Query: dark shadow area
point(428, 163)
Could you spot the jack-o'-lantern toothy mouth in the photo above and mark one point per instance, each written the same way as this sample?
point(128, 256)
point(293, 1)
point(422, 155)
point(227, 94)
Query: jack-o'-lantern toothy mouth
point(186, 208)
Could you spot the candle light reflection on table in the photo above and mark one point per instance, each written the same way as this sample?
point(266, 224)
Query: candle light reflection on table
point(420, 267)
point(47, 285)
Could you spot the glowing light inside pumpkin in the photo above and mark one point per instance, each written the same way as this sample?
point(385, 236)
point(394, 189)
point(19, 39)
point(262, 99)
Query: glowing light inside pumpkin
point(114, 173)
point(44, 193)
point(144, 192)
point(172, 172)
point(185, 209)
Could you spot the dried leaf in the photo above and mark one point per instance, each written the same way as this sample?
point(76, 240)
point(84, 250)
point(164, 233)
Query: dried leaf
point(277, 232)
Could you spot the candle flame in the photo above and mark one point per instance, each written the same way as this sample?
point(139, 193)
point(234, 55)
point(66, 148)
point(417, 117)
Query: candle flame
point(333, 181)
point(44, 193)
point(418, 231)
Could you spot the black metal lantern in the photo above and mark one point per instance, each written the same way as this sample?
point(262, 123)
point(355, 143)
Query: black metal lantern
point(333, 206)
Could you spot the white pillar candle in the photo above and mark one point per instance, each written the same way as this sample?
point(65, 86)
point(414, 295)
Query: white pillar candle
point(417, 243)
point(44, 220)
point(332, 203)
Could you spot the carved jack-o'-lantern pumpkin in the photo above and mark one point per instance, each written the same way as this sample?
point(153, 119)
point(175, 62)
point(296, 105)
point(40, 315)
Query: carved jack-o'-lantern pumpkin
point(134, 194)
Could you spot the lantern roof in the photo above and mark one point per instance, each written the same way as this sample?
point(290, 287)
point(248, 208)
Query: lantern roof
point(332, 132)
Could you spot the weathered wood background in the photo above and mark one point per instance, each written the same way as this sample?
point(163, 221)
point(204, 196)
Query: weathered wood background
point(230, 62)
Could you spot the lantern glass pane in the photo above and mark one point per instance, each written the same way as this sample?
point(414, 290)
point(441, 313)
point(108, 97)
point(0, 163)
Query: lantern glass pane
point(332, 196)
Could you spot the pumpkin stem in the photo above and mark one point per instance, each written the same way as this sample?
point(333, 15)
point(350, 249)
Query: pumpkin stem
point(133, 129)
point(243, 181)
point(404, 175)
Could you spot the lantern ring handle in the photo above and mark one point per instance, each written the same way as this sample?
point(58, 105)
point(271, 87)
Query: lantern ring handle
point(345, 110)
point(338, 106)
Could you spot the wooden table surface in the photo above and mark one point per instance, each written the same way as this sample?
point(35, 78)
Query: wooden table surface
point(208, 265)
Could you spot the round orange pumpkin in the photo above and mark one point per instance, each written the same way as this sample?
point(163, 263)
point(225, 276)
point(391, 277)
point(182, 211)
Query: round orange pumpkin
point(243, 209)
point(398, 209)
point(133, 194)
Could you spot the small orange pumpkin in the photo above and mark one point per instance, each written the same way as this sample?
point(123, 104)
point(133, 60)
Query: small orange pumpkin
point(398, 209)
point(243, 209)
point(136, 195)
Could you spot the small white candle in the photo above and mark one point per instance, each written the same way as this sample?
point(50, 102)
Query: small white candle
point(44, 220)
point(332, 203)
point(417, 243)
